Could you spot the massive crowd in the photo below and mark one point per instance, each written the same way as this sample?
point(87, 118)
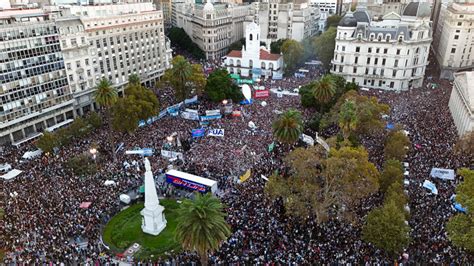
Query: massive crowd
point(43, 221)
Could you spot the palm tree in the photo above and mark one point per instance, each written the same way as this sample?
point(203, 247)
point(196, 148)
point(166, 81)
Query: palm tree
point(181, 73)
point(201, 226)
point(324, 89)
point(288, 127)
point(134, 79)
point(106, 96)
point(348, 118)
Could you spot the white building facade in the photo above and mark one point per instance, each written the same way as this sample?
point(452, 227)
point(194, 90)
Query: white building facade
point(34, 90)
point(278, 20)
point(391, 54)
point(253, 60)
point(461, 102)
point(213, 27)
point(49, 67)
point(123, 39)
point(453, 38)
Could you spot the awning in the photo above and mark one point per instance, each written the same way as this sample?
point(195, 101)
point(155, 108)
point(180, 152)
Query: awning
point(12, 174)
point(36, 135)
point(58, 125)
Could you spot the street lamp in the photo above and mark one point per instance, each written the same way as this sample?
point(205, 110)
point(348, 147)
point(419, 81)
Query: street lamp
point(93, 151)
point(169, 139)
point(224, 102)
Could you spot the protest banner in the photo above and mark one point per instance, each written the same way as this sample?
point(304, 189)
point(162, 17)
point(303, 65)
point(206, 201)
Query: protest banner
point(216, 132)
point(196, 133)
point(213, 112)
point(261, 94)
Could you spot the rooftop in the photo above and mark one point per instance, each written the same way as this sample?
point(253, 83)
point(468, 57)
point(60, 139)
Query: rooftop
point(264, 55)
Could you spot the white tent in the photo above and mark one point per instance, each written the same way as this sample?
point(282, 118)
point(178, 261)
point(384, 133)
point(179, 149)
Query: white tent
point(32, 154)
point(125, 198)
point(5, 167)
point(12, 174)
point(109, 182)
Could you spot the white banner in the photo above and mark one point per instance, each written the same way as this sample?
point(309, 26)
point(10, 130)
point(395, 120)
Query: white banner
point(213, 112)
point(190, 115)
point(446, 174)
point(217, 132)
point(171, 154)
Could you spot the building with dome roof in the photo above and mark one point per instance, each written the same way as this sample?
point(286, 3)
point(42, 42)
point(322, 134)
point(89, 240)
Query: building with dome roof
point(388, 54)
point(213, 26)
point(253, 60)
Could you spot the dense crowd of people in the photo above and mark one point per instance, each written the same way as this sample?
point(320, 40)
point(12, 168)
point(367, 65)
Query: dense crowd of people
point(43, 220)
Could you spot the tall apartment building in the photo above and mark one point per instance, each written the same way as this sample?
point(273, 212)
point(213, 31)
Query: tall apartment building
point(34, 91)
point(49, 67)
point(213, 27)
point(285, 20)
point(453, 38)
point(165, 6)
point(121, 39)
point(391, 54)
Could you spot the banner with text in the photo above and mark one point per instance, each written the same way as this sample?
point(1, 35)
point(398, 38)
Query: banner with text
point(210, 117)
point(191, 100)
point(261, 94)
point(216, 132)
point(213, 112)
point(189, 115)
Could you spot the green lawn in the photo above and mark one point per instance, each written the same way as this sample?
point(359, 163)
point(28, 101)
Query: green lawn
point(125, 229)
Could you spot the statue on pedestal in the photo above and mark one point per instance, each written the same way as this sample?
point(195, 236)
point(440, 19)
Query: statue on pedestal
point(153, 217)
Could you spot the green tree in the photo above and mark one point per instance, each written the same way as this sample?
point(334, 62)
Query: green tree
point(396, 195)
point(333, 21)
point(386, 229)
point(303, 192)
point(185, 78)
point(134, 79)
point(369, 113)
point(356, 177)
point(180, 38)
point(348, 118)
point(275, 47)
point(460, 227)
point(392, 172)
point(198, 81)
point(324, 46)
point(82, 165)
point(201, 225)
point(237, 45)
point(47, 142)
point(179, 76)
point(307, 95)
point(106, 96)
point(144, 98)
point(292, 54)
point(324, 89)
point(396, 145)
point(220, 86)
point(288, 127)
point(94, 120)
point(126, 115)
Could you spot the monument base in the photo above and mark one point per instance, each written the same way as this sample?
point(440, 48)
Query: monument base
point(153, 220)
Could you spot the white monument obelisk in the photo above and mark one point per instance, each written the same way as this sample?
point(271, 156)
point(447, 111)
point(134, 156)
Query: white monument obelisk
point(153, 217)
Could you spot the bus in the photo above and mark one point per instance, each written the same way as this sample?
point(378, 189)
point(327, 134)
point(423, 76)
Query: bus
point(193, 182)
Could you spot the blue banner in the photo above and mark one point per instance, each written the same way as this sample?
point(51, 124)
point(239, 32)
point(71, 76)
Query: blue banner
point(244, 102)
point(196, 133)
point(191, 100)
point(162, 114)
point(141, 123)
point(210, 117)
point(149, 121)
